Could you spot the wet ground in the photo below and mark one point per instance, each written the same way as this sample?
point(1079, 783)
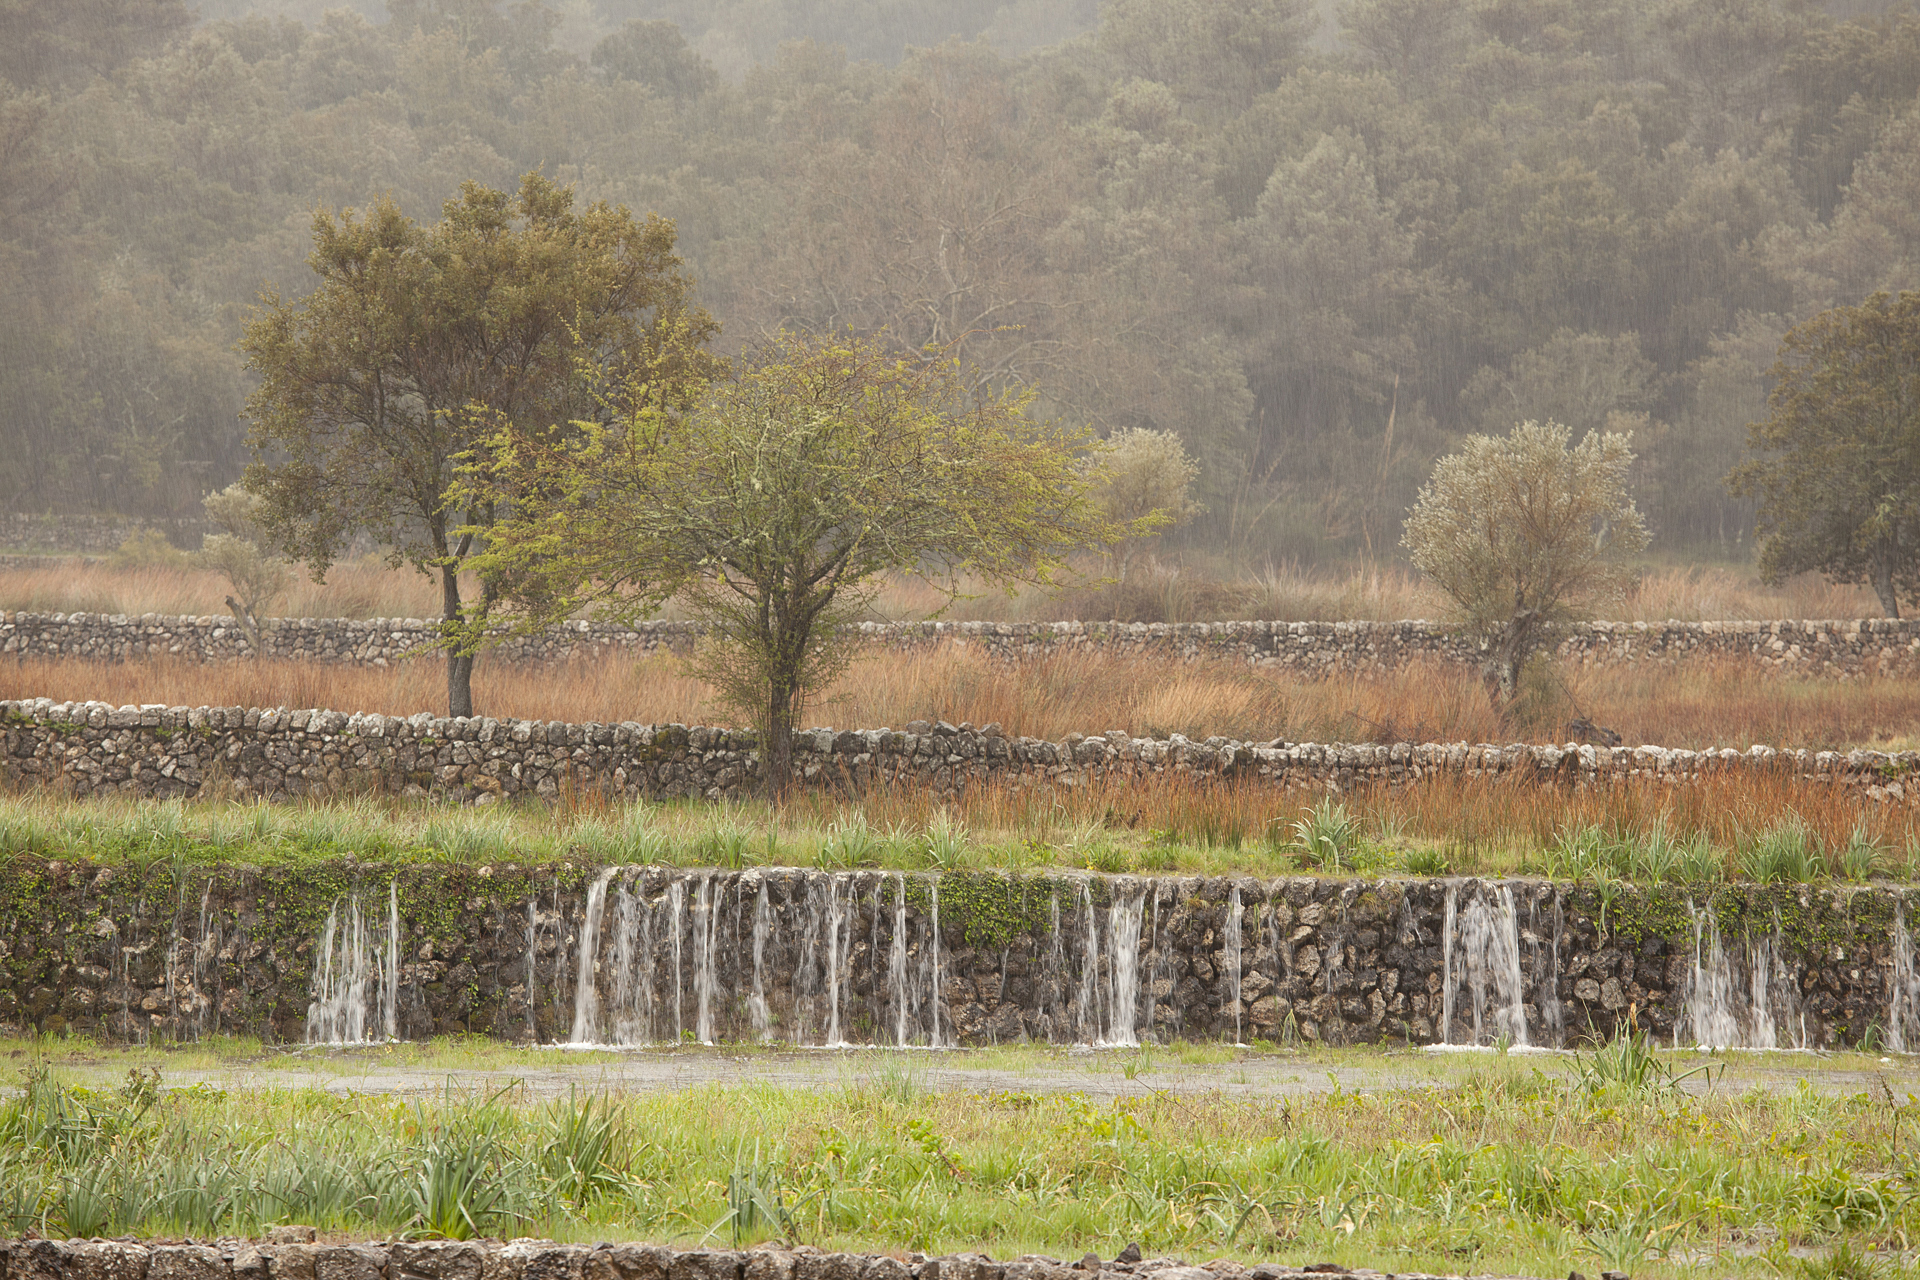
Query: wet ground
point(420, 1069)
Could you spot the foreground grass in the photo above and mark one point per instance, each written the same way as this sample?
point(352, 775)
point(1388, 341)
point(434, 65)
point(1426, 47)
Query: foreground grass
point(1730, 827)
point(1503, 1166)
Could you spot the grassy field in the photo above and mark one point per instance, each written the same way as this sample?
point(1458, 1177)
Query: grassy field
point(1694, 705)
point(1163, 592)
point(1728, 828)
point(1497, 1165)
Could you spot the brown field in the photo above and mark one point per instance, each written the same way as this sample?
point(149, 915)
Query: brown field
point(367, 588)
point(1696, 705)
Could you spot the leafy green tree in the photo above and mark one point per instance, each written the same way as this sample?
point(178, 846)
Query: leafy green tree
point(239, 553)
point(516, 304)
point(1838, 468)
point(772, 507)
point(1523, 532)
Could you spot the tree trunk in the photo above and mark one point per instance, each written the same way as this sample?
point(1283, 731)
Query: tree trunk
point(1512, 646)
point(787, 638)
point(459, 665)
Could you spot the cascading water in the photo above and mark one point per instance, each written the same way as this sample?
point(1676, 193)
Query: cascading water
point(1236, 914)
point(757, 1002)
point(837, 957)
point(586, 987)
point(1738, 1000)
point(1903, 995)
point(1124, 916)
point(706, 984)
point(356, 981)
point(1480, 950)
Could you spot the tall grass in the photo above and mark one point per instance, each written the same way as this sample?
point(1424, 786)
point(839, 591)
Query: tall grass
point(1697, 704)
point(1161, 591)
point(1512, 1171)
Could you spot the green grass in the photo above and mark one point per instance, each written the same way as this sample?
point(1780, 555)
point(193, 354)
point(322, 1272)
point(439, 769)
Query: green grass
point(1326, 838)
point(1492, 1165)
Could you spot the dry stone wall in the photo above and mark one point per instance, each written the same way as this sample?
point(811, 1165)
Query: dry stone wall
point(94, 748)
point(289, 1254)
point(362, 953)
point(1846, 648)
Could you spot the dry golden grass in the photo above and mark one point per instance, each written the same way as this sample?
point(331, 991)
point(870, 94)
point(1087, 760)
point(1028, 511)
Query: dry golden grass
point(1161, 592)
point(1696, 705)
point(364, 588)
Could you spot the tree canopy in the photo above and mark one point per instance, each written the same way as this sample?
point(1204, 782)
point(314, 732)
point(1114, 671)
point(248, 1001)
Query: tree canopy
point(1525, 532)
point(1320, 244)
point(517, 303)
point(770, 506)
point(1837, 470)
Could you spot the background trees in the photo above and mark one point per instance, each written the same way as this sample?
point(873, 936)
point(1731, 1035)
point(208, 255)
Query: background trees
point(1524, 532)
point(771, 504)
point(1319, 246)
point(1838, 476)
point(516, 303)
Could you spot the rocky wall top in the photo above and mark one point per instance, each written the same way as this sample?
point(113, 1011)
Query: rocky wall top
point(1845, 647)
point(290, 1253)
point(91, 747)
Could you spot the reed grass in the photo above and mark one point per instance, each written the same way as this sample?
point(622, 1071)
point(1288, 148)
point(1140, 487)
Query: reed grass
point(1508, 1170)
point(1695, 704)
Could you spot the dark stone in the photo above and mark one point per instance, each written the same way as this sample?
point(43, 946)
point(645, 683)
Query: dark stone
point(349, 1262)
point(435, 1260)
point(703, 1264)
point(187, 1262)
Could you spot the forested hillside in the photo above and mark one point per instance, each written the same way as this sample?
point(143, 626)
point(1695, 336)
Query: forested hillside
point(1319, 245)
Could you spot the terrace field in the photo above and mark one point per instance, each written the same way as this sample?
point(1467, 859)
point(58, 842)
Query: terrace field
point(1617, 1157)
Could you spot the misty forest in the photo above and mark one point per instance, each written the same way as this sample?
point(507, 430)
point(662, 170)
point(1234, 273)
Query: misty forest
point(1321, 245)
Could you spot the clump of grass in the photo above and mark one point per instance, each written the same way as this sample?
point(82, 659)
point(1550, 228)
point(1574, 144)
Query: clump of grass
point(1325, 836)
point(1784, 851)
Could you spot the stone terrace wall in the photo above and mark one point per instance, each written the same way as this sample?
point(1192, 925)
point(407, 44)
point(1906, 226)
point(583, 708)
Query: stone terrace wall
point(164, 952)
point(91, 747)
point(1831, 648)
point(279, 1258)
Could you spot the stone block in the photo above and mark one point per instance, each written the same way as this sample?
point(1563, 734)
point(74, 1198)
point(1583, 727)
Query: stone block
point(290, 1261)
point(435, 1260)
point(828, 1266)
point(187, 1262)
point(705, 1264)
point(107, 1260)
point(349, 1262)
point(38, 1260)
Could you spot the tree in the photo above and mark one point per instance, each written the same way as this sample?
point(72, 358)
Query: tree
point(517, 304)
point(1521, 531)
point(1144, 487)
point(771, 508)
point(1838, 471)
point(239, 553)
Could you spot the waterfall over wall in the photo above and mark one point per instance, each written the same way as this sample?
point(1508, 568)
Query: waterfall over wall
point(353, 954)
point(652, 955)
